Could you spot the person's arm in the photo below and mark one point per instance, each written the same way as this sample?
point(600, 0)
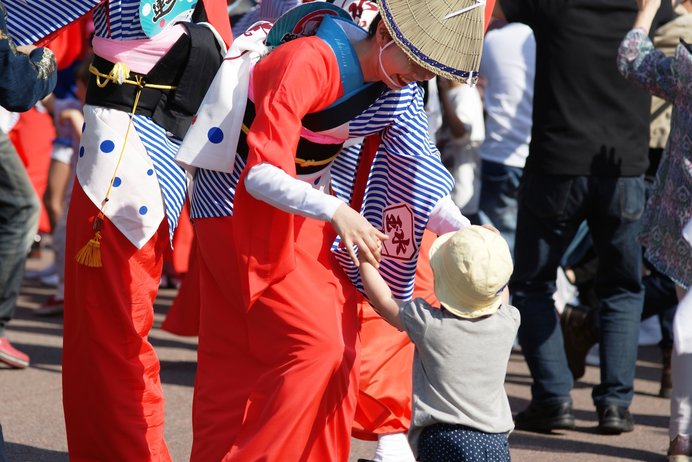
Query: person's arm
point(446, 217)
point(646, 15)
point(288, 84)
point(54, 197)
point(641, 63)
point(379, 295)
point(28, 73)
point(449, 110)
point(272, 185)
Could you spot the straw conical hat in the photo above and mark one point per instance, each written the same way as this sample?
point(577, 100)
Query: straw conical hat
point(443, 36)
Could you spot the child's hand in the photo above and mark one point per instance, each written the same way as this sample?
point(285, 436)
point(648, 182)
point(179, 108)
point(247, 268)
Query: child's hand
point(362, 257)
point(491, 228)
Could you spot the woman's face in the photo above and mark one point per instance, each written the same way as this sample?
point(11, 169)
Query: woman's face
point(396, 68)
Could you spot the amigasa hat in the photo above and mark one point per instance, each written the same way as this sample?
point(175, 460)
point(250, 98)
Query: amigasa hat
point(471, 268)
point(443, 36)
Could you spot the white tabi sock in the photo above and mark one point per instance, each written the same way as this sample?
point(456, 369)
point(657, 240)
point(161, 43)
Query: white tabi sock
point(393, 448)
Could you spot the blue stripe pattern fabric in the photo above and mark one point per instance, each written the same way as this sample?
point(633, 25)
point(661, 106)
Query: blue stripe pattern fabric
point(162, 148)
point(28, 21)
point(123, 16)
point(406, 169)
point(213, 192)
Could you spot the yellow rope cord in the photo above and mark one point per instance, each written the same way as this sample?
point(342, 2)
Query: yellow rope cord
point(314, 163)
point(90, 254)
point(119, 74)
point(301, 162)
point(122, 149)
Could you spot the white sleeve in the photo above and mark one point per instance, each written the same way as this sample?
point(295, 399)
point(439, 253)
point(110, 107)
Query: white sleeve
point(446, 217)
point(272, 185)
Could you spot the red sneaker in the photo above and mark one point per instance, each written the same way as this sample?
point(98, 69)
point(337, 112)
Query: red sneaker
point(11, 356)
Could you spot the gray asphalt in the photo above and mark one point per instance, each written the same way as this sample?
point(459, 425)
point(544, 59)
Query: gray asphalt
point(32, 418)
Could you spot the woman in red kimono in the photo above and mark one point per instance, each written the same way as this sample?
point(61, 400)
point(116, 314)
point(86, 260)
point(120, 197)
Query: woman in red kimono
point(278, 355)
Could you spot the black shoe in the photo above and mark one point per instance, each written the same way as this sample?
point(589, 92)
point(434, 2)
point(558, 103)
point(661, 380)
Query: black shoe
point(544, 419)
point(613, 420)
point(579, 335)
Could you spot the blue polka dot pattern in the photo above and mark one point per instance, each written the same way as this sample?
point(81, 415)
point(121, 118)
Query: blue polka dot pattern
point(458, 443)
point(81, 151)
point(215, 135)
point(150, 172)
point(83, 127)
point(107, 146)
point(143, 210)
point(117, 182)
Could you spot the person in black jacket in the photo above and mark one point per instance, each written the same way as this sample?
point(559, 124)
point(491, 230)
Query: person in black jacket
point(27, 74)
point(587, 158)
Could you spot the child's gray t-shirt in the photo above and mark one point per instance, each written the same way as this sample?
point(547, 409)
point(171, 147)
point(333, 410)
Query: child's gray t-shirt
point(459, 368)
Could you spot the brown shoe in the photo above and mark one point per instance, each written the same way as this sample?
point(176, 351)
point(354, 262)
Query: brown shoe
point(579, 335)
point(679, 450)
point(666, 374)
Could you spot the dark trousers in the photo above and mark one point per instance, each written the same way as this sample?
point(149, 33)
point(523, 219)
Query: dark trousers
point(551, 208)
point(19, 213)
point(499, 191)
point(459, 443)
point(3, 452)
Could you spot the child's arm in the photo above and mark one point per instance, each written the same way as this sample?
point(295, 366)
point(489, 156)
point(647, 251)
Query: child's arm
point(380, 296)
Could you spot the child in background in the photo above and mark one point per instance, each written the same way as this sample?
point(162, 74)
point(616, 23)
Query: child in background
point(68, 124)
point(460, 407)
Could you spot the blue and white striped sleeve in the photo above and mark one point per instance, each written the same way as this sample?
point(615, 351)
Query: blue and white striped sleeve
point(407, 138)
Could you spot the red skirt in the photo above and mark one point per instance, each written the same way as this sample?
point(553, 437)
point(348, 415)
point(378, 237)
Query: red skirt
point(112, 395)
point(277, 381)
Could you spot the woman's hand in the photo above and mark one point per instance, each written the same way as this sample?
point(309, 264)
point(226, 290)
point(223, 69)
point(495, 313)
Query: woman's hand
point(26, 49)
point(354, 229)
point(647, 12)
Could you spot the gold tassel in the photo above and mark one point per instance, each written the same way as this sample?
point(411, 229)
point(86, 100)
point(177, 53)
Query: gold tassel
point(90, 254)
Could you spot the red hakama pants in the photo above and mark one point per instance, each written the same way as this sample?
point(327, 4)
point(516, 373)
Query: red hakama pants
point(277, 382)
point(112, 393)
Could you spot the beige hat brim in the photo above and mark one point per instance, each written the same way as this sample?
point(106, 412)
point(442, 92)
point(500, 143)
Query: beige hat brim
point(444, 290)
point(449, 47)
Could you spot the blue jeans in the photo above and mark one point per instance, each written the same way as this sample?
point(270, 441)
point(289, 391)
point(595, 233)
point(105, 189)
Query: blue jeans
point(498, 202)
point(3, 451)
point(19, 213)
point(551, 208)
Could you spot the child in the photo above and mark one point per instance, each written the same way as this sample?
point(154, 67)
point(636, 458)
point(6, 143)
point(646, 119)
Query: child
point(61, 174)
point(460, 407)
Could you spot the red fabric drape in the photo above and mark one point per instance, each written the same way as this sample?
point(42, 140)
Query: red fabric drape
point(112, 395)
point(69, 43)
point(32, 137)
point(217, 13)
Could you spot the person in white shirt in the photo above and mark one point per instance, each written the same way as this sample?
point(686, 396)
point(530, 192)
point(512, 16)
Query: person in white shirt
point(507, 70)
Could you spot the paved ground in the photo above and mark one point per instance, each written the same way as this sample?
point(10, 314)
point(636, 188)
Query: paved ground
point(32, 419)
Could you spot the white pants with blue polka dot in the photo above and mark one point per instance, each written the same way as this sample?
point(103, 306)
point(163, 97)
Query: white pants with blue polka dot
point(459, 443)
